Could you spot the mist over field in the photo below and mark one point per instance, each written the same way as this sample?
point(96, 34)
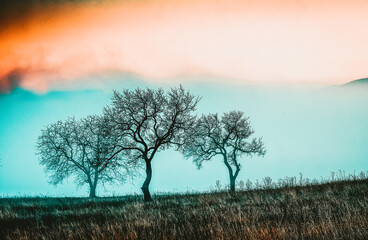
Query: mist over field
point(311, 130)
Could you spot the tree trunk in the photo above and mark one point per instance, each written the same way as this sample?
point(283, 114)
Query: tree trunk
point(232, 178)
point(145, 186)
point(232, 175)
point(232, 183)
point(92, 191)
point(93, 184)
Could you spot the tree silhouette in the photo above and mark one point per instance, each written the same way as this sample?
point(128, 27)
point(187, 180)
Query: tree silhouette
point(148, 121)
point(227, 137)
point(84, 149)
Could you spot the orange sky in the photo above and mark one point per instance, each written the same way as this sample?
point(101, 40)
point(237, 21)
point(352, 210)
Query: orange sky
point(272, 42)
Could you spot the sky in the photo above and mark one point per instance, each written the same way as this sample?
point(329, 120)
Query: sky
point(44, 43)
point(282, 62)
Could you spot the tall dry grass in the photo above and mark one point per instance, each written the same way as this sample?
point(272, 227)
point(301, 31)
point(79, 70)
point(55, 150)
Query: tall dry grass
point(333, 210)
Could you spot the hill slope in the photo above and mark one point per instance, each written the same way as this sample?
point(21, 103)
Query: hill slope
point(329, 211)
point(359, 82)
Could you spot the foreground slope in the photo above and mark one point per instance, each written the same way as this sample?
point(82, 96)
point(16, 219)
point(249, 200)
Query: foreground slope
point(333, 211)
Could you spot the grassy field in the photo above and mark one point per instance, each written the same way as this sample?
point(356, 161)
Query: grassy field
point(334, 210)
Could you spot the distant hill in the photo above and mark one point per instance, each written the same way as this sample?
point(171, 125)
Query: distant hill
point(359, 82)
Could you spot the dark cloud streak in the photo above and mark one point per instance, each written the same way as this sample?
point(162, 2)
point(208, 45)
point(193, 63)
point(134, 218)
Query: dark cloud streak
point(16, 13)
point(10, 81)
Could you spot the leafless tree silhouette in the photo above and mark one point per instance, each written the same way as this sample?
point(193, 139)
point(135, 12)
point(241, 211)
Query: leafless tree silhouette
point(83, 148)
point(148, 121)
point(227, 137)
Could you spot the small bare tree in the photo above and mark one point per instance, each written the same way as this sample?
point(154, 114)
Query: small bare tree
point(226, 137)
point(148, 121)
point(84, 149)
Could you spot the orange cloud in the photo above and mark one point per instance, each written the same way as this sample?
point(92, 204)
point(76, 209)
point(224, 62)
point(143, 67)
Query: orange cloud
point(272, 41)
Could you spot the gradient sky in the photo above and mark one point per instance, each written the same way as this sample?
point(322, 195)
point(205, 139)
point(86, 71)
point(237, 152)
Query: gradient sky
point(44, 43)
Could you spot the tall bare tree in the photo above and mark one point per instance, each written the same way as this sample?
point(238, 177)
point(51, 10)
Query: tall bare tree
point(227, 137)
point(84, 149)
point(149, 121)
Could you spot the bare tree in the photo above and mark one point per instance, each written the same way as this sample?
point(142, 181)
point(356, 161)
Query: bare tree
point(226, 137)
point(149, 121)
point(83, 149)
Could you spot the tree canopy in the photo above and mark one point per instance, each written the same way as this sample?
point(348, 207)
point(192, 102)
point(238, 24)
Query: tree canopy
point(148, 121)
point(226, 136)
point(83, 149)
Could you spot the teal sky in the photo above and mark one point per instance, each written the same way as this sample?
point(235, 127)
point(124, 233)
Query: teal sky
point(309, 130)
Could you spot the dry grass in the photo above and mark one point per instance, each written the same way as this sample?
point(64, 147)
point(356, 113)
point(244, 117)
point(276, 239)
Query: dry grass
point(335, 210)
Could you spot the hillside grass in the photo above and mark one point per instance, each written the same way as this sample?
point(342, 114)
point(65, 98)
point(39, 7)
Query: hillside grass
point(334, 210)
